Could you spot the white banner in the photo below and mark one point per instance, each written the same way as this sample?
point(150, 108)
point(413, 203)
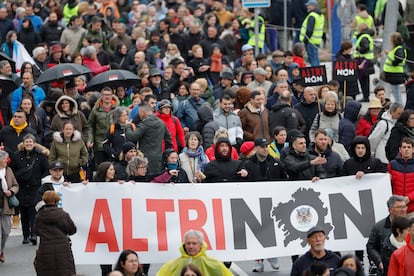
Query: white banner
point(241, 221)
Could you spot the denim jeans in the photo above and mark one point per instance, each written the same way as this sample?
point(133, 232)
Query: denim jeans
point(396, 93)
point(313, 55)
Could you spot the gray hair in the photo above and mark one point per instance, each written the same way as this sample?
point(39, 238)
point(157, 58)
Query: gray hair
point(3, 155)
point(117, 113)
point(134, 163)
point(395, 106)
point(394, 198)
point(330, 95)
point(3, 63)
point(37, 51)
point(88, 51)
point(145, 107)
point(29, 136)
point(194, 233)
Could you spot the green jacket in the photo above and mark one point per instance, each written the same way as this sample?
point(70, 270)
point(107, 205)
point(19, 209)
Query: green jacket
point(151, 133)
point(72, 153)
point(99, 122)
point(209, 266)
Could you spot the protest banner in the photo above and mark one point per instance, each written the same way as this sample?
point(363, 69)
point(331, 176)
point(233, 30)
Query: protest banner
point(313, 76)
point(240, 221)
point(345, 70)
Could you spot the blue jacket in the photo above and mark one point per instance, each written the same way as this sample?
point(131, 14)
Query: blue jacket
point(187, 112)
point(38, 94)
point(347, 131)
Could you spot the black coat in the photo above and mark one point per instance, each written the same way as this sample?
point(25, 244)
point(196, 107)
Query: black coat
point(398, 132)
point(114, 140)
point(366, 163)
point(54, 256)
point(380, 230)
point(269, 170)
point(223, 169)
point(308, 112)
point(298, 166)
point(28, 187)
point(282, 114)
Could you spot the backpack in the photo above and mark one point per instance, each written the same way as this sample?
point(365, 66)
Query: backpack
point(376, 123)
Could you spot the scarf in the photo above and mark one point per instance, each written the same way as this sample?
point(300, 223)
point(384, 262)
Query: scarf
point(410, 132)
point(396, 243)
point(4, 185)
point(216, 64)
point(18, 129)
point(202, 158)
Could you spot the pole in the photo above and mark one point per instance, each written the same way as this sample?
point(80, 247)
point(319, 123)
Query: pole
point(256, 30)
point(390, 26)
point(285, 42)
point(344, 96)
point(329, 12)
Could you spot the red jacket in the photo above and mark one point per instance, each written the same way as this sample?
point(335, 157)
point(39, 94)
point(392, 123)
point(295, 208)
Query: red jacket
point(300, 61)
point(210, 153)
point(402, 260)
point(94, 65)
point(402, 179)
point(173, 125)
point(364, 126)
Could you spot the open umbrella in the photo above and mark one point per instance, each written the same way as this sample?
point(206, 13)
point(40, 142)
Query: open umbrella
point(113, 79)
point(63, 71)
point(7, 86)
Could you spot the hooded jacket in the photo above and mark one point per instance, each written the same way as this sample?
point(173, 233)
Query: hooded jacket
point(223, 169)
point(99, 122)
point(379, 136)
point(401, 263)
point(366, 163)
point(209, 266)
point(347, 130)
point(72, 153)
point(173, 125)
point(398, 132)
point(77, 118)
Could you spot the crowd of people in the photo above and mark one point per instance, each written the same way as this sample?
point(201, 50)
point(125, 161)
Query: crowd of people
point(206, 109)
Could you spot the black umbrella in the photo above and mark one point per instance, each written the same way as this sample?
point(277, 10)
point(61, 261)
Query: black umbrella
point(63, 71)
point(3, 56)
point(113, 79)
point(7, 86)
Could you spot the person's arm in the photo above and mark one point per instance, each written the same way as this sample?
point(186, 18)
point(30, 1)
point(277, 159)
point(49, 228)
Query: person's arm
point(314, 127)
point(399, 56)
point(376, 135)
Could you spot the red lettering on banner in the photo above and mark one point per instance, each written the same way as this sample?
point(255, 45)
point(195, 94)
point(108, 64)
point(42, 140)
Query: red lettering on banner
point(161, 207)
point(186, 224)
point(101, 210)
point(219, 224)
point(129, 242)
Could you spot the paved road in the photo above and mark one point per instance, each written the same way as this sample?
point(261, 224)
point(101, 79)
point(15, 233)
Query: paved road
point(19, 261)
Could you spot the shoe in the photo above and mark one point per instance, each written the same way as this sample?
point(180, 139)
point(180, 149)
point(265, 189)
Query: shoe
point(33, 240)
point(25, 241)
point(274, 263)
point(258, 266)
point(2, 258)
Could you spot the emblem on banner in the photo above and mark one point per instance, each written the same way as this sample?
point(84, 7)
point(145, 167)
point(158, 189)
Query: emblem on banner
point(299, 214)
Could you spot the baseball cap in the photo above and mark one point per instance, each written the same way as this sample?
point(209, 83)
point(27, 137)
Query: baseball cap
point(315, 229)
point(56, 165)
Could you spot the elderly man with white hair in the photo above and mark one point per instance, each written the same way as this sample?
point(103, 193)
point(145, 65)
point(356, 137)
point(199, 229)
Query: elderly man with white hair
point(193, 251)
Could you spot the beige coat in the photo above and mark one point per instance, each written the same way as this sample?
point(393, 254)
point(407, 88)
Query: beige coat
point(14, 187)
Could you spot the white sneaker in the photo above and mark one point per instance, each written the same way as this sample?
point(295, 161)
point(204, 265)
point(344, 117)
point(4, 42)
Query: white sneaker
point(258, 266)
point(274, 263)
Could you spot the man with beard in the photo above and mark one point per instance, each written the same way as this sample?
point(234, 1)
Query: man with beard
point(224, 168)
point(321, 147)
point(73, 33)
point(51, 30)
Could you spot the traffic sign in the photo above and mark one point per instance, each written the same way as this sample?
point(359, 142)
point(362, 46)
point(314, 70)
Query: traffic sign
point(256, 3)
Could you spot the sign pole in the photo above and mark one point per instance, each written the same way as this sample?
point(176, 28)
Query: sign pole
point(256, 30)
point(344, 93)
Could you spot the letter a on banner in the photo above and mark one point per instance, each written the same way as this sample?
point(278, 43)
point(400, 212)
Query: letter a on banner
point(313, 76)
